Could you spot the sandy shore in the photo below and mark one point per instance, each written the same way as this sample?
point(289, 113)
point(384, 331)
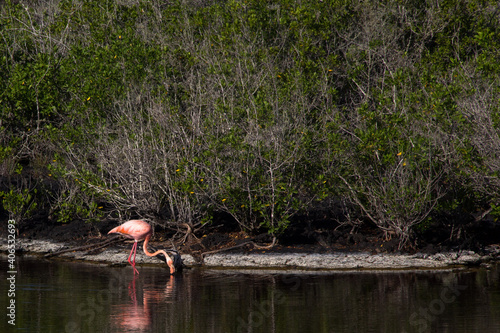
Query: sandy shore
point(305, 261)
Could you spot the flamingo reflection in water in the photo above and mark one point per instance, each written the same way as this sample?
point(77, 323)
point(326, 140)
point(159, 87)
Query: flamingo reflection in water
point(138, 231)
point(134, 316)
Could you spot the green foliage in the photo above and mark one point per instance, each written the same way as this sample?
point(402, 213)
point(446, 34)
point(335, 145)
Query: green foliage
point(179, 110)
point(72, 208)
point(20, 204)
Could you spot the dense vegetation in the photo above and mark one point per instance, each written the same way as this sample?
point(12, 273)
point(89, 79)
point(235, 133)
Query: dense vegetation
point(382, 112)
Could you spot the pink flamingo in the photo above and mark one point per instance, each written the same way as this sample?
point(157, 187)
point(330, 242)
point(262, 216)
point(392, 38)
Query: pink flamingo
point(139, 230)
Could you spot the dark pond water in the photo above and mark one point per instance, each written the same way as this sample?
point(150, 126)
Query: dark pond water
point(76, 297)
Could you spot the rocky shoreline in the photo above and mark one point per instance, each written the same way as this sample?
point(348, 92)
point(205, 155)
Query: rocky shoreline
point(115, 255)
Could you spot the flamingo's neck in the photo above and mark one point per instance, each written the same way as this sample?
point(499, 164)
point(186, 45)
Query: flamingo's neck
point(145, 246)
point(170, 262)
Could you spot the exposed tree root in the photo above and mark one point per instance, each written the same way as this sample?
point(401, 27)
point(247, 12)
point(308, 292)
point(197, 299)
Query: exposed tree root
point(189, 232)
point(226, 248)
point(265, 247)
point(255, 245)
point(87, 247)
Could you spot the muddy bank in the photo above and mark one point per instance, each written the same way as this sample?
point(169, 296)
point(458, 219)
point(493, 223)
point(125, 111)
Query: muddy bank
point(305, 246)
point(117, 254)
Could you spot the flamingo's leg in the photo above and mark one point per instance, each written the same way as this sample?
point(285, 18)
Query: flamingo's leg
point(131, 251)
point(134, 250)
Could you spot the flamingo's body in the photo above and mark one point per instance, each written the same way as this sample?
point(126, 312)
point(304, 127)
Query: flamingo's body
point(140, 231)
